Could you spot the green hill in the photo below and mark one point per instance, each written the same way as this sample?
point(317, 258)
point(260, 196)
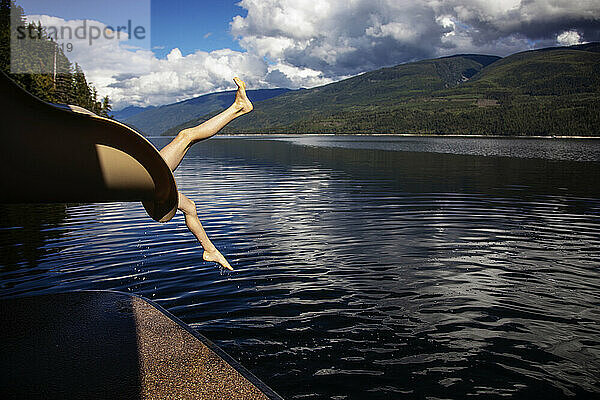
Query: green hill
point(546, 72)
point(553, 91)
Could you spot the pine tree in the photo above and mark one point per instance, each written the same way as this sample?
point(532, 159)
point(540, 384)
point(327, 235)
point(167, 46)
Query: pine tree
point(95, 105)
point(106, 107)
point(82, 93)
point(5, 34)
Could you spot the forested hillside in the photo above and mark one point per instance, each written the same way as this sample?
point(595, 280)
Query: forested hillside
point(543, 92)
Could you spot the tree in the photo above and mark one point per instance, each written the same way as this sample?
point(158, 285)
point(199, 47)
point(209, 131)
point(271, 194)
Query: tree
point(82, 92)
point(106, 107)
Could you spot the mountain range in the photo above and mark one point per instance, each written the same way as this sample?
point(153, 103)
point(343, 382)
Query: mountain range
point(552, 91)
point(129, 112)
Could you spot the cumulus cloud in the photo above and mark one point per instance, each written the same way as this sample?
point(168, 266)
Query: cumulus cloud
point(337, 38)
point(345, 38)
point(305, 43)
point(569, 38)
point(177, 77)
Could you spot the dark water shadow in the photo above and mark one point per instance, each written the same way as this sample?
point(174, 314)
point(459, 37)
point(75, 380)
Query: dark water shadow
point(64, 346)
point(24, 231)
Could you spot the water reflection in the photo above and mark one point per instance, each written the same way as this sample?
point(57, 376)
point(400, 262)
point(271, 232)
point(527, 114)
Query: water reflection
point(567, 149)
point(25, 231)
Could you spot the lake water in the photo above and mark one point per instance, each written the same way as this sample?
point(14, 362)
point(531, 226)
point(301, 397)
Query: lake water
point(366, 267)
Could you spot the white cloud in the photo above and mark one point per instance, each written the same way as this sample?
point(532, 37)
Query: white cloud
point(569, 38)
point(180, 77)
point(284, 75)
point(397, 30)
point(447, 22)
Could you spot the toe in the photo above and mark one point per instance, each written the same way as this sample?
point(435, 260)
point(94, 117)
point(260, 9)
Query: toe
point(239, 82)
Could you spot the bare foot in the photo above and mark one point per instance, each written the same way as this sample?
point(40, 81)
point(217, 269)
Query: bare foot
point(242, 103)
point(216, 256)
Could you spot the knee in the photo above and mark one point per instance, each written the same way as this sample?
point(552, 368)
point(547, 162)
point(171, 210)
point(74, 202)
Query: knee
point(186, 135)
point(192, 206)
point(186, 205)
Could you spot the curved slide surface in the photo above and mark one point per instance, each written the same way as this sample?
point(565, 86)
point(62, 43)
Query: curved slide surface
point(55, 153)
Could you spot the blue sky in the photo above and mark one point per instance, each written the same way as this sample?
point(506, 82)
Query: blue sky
point(71, 9)
point(193, 25)
point(184, 24)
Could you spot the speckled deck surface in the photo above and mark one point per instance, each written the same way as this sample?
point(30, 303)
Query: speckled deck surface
point(111, 345)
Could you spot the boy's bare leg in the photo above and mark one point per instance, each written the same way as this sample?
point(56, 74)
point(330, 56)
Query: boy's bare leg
point(173, 152)
point(193, 223)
